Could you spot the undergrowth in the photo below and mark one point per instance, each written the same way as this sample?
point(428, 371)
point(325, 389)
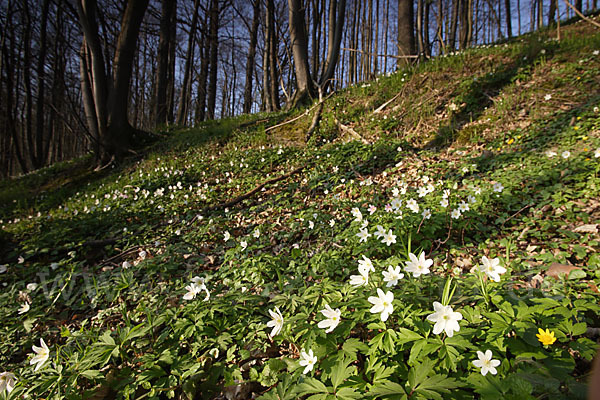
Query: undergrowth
point(453, 255)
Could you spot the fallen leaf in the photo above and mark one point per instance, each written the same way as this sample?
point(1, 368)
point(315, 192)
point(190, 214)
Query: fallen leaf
point(557, 269)
point(588, 228)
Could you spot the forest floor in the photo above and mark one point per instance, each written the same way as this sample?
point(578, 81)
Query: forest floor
point(436, 238)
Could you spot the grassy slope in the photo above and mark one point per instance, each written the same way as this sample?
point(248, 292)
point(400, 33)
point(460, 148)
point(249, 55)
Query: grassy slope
point(488, 115)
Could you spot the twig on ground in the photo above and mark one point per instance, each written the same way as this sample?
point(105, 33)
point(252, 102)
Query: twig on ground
point(583, 17)
point(299, 116)
point(347, 129)
point(247, 195)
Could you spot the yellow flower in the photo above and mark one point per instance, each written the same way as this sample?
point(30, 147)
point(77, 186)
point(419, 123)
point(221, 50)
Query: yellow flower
point(546, 337)
point(510, 141)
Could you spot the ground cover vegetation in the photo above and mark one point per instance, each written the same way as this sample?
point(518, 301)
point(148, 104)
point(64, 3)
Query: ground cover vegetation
point(441, 245)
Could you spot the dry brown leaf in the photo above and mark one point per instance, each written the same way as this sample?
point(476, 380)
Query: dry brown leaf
point(587, 228)
point(557, 269)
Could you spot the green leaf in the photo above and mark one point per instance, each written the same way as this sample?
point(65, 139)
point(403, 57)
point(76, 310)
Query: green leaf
point(577, 274)
point(353, 345)
point(432, 386)
point(311, 386)
point(341, 371)
point(388, 389)
point(579, 328)
point(92, 374)
point(348, 393)
point(406, 335)
point(107, 339)
point(283, 391)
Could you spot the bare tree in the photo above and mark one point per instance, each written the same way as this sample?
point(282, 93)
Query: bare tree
point(184, 99)
point(247, 107)
point(166, 41)
point(213, 39)
point(406, 31)
point(109, 93)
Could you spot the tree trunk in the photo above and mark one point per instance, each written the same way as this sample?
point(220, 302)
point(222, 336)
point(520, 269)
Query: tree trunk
point(508, 15)
point(184, 101)
point(202, 80)
point(440, 25)
point(169, 8)
point(519, 15)
point(336, 27)
point(110, 96)
point(420, 44)
point(304, 84)
point(41, 155)
point(171, 69)
point(406, 32)
point(552, 12)
point(273, 88)
point(251, 55)
point(426, 38)
point(213, 59)
point(453, 25)
point(8, 58)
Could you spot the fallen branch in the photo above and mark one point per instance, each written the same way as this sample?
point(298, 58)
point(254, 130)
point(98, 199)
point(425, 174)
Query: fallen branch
point(249, 194)
point(299, 116)
point(387, 103)
point(583, 17)
point(347, 129)
point(378, 55)
point(251, 123)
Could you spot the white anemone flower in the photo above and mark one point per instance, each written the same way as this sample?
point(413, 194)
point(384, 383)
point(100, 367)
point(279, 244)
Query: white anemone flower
point(24, 308)
point(41, 355)
point(276, 323)
point(389, 238)
point(486, 363)
point(332, 318)
point(379, 232)
point(492, 268)
point(418, 265)
point(308, 360)
point(365, 266)
point(7, 382)
point(392, 276)
point(192, 290)
point(445, 319)
point(382, 304)
point(362, 279)
point(412, 205)
point(356, 214)
point(363, 235)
